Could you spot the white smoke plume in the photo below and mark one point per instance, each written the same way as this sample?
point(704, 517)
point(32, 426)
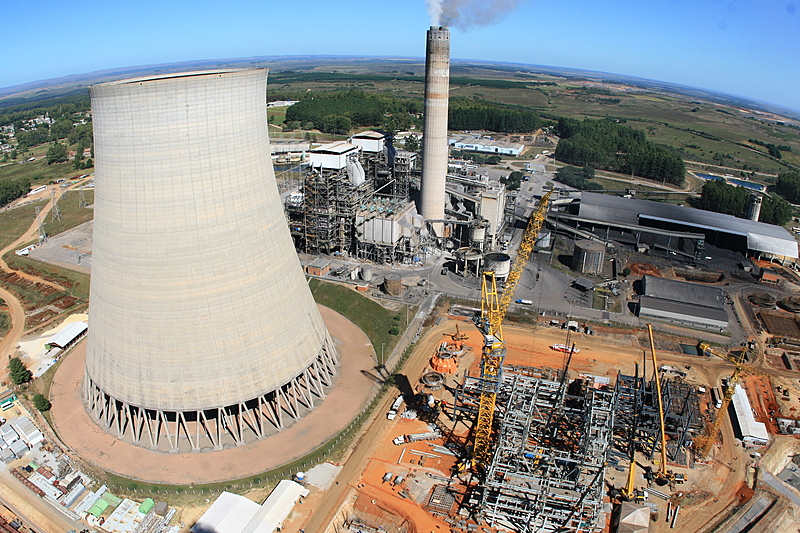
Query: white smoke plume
point(468, 14)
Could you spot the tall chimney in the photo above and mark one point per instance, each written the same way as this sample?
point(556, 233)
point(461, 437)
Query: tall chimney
point(434, 141)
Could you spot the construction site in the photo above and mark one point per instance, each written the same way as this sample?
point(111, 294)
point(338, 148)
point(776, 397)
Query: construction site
point(523, 430)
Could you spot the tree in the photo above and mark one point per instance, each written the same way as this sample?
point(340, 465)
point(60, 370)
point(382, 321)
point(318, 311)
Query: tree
point(18, 372)
point(411, 143)
point(57, 154)
point(394, 330)
point(788, 186)
point(41, 403)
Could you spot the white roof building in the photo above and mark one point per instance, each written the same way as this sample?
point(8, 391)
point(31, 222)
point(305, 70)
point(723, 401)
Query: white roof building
point(66, 336)
point(231, 513)
point(753, 433)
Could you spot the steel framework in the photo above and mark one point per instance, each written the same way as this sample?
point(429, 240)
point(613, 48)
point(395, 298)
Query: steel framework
point(547, 470)
point(220, 427)
point(637, 421)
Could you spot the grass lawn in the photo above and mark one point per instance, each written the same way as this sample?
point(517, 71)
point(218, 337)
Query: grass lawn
point(15, 222)
point(71, 212)
point(371, 317)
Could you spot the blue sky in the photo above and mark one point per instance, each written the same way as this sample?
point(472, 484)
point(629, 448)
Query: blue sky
point(741, 47)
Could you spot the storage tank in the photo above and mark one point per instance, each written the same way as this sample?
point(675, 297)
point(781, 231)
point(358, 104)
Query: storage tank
point(544, 240)
point(393, 284)
point(587, 257)
point(478, 233)
point(366, 272)
point(499, 262)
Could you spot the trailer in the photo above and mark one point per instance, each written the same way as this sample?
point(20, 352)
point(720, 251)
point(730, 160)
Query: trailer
point(392, 414)
point(416, 437)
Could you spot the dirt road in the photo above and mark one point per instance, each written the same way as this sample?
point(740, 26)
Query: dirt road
point(375, 429)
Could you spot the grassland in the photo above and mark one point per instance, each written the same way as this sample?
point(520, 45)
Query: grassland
point(72, 214)
point(14, 222)
point(374, 319)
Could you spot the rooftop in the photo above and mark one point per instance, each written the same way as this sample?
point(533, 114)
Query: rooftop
point(760, 236)
point(336, 148)
point(683, 291)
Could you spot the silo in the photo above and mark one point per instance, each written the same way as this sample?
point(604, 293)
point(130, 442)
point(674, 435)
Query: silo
point(587, 257)
point(499, 262)
point(204, 333)
point(366, 272)
point(393, 283)
point(544, 240)
point(478, 234)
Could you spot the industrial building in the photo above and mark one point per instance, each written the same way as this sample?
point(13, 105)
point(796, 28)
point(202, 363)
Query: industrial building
point(204, 333)
point(486, 145)
point(752, 432)
point(671, 228)
point(691, 304)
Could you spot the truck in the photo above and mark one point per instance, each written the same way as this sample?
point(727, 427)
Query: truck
point(416, 437)
point(716, 397)
point(523, 301)
point(392, 414)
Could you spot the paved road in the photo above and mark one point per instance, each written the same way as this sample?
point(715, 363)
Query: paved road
point(780, 487)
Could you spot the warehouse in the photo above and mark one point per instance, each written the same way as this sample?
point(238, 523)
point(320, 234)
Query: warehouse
point(754, 239)
point(669, 300)
point(753, 433)
point(485, 145)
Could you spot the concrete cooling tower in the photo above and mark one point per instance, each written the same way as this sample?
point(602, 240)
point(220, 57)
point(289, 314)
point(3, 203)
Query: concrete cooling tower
point(203, 332)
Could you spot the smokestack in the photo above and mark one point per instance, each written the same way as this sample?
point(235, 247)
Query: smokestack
point(754, 209)
point(434, 141)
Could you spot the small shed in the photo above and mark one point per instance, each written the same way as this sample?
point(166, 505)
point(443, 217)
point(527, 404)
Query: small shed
point(318, 267)
point(769, 276)
point(633, 518)
point(584, 284)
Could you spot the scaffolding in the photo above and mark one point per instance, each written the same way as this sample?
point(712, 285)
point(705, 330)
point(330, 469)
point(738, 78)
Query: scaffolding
point(548, 465)
point(637, 424)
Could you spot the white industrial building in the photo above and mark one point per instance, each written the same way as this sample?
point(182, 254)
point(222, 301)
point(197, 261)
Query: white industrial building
point(753, 433)
point(231, 513)
point(332, 155)
point(472, 143)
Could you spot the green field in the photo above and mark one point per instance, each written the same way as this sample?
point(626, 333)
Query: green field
point(72, 214)
point(371, 317)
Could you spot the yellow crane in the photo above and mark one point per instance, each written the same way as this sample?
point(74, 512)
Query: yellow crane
point(707, 442)
point(494, 306)
point(662, 474)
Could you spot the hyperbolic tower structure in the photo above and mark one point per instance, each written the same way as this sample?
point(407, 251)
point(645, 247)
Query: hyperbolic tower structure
point(434, 141)
point(204, 333)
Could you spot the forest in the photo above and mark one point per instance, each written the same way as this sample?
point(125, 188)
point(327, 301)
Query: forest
point(605, 144)
point(722, 197)
point(339, 111)
point(466, 114)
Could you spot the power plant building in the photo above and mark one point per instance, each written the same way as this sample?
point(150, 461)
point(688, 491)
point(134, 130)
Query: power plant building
point(204, 333)
point(679, 229)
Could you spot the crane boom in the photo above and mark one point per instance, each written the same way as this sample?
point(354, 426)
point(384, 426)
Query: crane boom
point(663, 466)
point(705, 446)
point(493, 309)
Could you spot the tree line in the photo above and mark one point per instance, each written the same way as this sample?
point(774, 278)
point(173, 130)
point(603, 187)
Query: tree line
point(10, 190)
point(578, 178)
point(773, 149)
point(607, 145)
point(466, 114)
point(339, 111)
point(721, 197)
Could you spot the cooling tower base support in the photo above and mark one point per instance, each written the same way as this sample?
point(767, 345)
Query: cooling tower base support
point(220, 427)
point(90, 443)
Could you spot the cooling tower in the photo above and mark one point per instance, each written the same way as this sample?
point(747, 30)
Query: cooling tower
point(434, 140)
point(204, 333)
